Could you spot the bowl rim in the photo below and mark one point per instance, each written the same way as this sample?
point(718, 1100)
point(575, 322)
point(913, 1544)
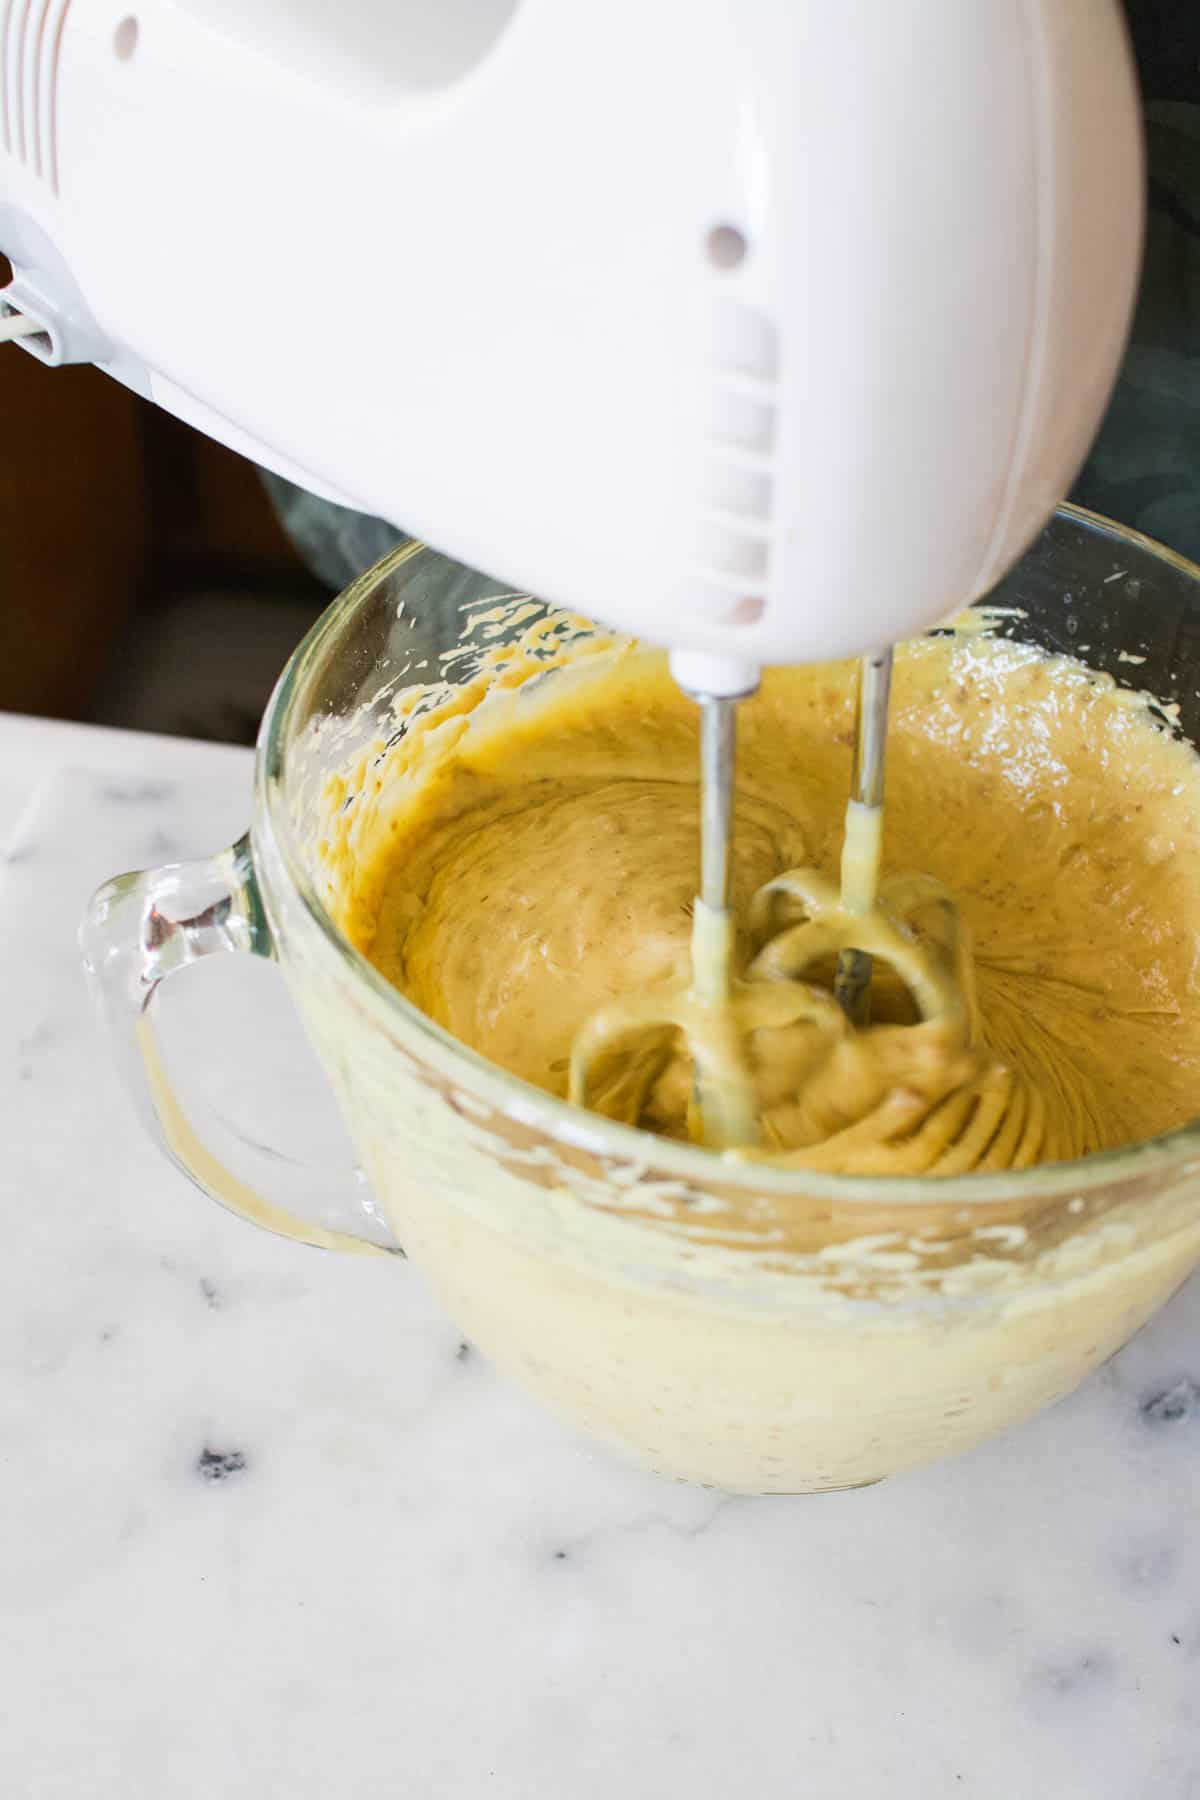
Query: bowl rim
point(629, 1145)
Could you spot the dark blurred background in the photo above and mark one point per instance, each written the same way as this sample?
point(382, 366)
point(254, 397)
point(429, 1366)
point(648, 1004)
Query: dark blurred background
point(149, 581)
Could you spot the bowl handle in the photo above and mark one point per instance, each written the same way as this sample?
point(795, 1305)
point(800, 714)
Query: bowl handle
point(138, 930)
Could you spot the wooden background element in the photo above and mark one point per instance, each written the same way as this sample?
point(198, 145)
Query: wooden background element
point(106, 503)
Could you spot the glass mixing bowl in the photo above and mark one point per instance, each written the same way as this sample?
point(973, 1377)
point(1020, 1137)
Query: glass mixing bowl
point(756, 1329)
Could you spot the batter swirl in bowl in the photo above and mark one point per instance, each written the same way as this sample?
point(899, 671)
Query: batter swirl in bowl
point(513, 866)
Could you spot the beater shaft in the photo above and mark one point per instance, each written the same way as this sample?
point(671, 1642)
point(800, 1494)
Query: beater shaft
point(852, 981)
point(718, 762)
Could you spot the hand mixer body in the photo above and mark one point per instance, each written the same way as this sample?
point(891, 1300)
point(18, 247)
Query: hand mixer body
point(771, 332)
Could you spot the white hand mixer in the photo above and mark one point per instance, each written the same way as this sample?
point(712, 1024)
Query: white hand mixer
point(768, 331)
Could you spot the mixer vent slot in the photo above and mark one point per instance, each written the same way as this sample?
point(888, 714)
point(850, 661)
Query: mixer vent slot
point(31, 34)
point(742, 367)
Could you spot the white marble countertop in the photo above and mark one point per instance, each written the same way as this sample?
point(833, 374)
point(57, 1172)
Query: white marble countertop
point(268, 1528)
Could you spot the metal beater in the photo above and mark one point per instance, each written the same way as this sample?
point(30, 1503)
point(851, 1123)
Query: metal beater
point(864, 827)
point(718, 1008)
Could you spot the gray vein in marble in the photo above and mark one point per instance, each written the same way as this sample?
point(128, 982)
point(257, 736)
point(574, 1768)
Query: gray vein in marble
point(137, 793)
point(1174, 1405)
point(650, 1521)
point(220, 1465)
point(163, 846)
point(1077, 1679)
point(1147, 1563)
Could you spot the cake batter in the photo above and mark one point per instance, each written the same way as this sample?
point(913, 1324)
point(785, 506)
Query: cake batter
point(516, 865)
